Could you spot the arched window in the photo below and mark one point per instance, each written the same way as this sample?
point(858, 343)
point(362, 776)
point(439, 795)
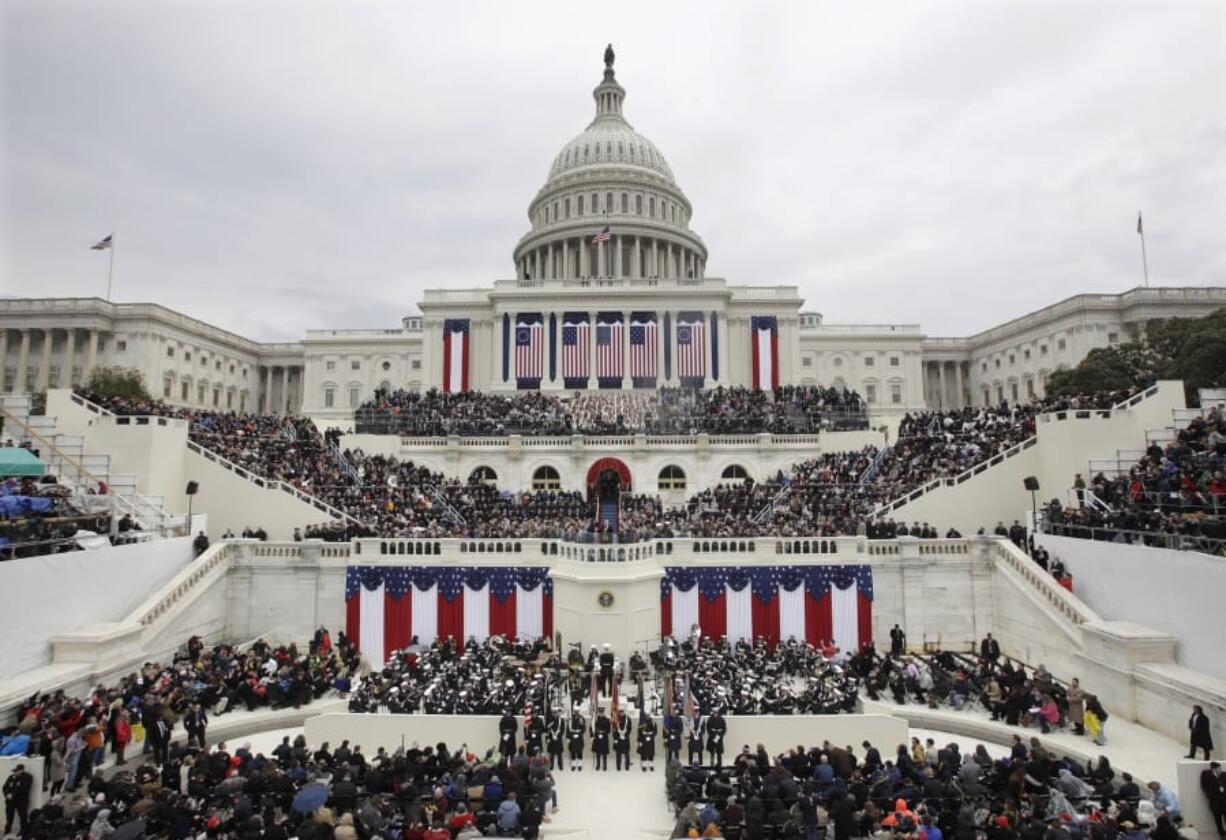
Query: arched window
point(608, 202)
point(734, 473)
point(483, 475)
point(546, 478)
point(625, 203)
point(580, 205)
point(651, 207)
point(566, 207)
point(595, 202)
point(638, 205)
point(672, 477)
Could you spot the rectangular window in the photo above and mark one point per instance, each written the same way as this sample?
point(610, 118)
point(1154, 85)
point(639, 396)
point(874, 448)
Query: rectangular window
point(329, 365)
point(329, 397)
point(870, 394)
point(1113, 338)
point(416, 364)
point(807, 361)
point(1012, 359)
point(216, 397)
point(183, 392)
point(869, 361)
point(353, 397)
point(355, 365)
point(187, 355)
point(217, 365)
point(170, 352)
point(984, 367)
point(894, 361)
point(121, 346)
point(1026, 355)
point(1042, 349)
point(229, 399)
point(896, 393)
point(998, 364)
point(166, 390)
point(1060, 344)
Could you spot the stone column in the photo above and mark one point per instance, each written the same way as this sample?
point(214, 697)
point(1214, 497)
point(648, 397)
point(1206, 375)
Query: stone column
point(566, 259)
point(617, 256)
point(91, 357)
point(636, 269)
point(44, 362)
point(4, 352)
point(550, 273)
point(23, 362)
point(655, 258)
point(591, 350)
point(960, 397)
point(602, 260)
point(941, 397)
point(70, 351)
point(266, 390)
point(283, 401)
point(660, 348)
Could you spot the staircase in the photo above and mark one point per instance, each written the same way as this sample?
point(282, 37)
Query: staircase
point(1126, 459)
point(65, 457)
point(607, 512)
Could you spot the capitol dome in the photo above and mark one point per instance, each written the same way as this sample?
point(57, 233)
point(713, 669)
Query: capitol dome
point(610, 176)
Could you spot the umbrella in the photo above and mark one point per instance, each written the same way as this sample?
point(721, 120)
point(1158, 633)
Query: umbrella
point(129, 830)
point(310, 797)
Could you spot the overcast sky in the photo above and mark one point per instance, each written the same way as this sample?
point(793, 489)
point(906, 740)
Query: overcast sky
point(277, 166)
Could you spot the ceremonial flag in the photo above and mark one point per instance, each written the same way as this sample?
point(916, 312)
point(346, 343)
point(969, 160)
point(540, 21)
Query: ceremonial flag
point(104, 244)
point(643, 359)
point(386, 606)
point(809, 603)
point(1140, 228)
point(576, 349)
point(455, 355)
point(614, 708)
point(609, 349)
point(764, 349)
point(529, 349)
point(604, 236)
point(691, 349)
point(594, 697)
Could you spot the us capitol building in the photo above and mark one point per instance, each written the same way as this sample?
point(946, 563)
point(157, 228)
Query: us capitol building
point(611, 291)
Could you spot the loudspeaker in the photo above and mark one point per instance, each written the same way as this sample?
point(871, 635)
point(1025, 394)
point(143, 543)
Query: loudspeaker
point(1030, 482)
point(192, 487)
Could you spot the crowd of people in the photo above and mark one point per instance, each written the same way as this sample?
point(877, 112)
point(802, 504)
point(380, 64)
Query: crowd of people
point(1174, 495)
point(922, 790)
point(835, 494)
point(791, 409)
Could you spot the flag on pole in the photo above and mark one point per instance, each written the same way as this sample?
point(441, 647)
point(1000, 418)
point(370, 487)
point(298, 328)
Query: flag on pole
point(593, 696)
point(104, 244)
point(604, 236)
point(1140, 227)
point(690, 706)
point(614, 707)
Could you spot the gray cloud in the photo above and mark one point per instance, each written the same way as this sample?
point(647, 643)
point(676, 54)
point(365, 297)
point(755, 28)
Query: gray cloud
point(275, 166)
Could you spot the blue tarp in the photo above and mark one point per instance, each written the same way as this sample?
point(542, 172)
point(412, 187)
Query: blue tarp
point(16, 461)
point(13, 506)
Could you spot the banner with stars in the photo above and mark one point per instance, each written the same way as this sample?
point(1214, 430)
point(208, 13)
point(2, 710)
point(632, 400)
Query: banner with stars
point(386, 607)
point(817, 604)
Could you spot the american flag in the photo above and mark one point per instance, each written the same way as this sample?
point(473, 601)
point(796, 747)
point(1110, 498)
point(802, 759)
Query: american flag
point(609, 347)
point(691, 347)
point(605, 235)
point(109, 241)
point(529, 348)
point(643, 346)
point(576, 347)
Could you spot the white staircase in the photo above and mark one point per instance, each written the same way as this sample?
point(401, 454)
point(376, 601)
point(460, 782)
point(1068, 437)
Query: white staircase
point(66, 458)
point(1126, 459)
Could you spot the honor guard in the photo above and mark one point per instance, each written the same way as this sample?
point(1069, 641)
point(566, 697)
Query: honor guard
point(673, 727)
point(507, 727)
point(621, 741)
point(717, 728)
point(647, 743)
point(694, 740)
point(576, 735)
point(601, 727)
point(555, 737)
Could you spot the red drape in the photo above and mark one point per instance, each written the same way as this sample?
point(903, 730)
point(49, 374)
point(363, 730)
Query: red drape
point(451, 617)
point(864, 618)
point(774, 359)
point(754, 362)
point(547, 619)
point(819, 620)
point(666, 616)
point(713, 616)
point(353, 619)
point(397, 622)
point(766, 619)
point(502, 616)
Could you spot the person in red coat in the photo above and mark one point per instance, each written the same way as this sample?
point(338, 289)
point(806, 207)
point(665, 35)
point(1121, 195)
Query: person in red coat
point(123, 735)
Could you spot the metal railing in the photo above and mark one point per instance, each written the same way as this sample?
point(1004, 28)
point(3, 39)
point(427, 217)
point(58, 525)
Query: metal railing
point(1150, 539)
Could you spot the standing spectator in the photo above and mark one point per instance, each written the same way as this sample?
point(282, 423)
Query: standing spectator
point(508, 815)
point(1200, 736)
point(195, 722)
point(1076, 698)
point(123, 735)
point(1213, 784)
point(17, 798)
point(200, 544)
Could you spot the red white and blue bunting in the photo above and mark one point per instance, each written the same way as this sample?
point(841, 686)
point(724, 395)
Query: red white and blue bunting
point(809, 603)
point(386, 606)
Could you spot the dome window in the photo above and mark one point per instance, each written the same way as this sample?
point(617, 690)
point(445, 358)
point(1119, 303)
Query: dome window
point(585, 152)
point(597, 150)
point(608, 147)
point(625, 204)
point(651, 207)
point(579, 205)
point(638, 204)
point(632, 151)
point(621, 149)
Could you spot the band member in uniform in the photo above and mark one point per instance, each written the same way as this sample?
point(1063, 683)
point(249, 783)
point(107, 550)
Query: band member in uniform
point(601, 727)
point(534, 731)
point(576, 734)
point(673, 726)
point(621, 740)
point(717, 728)
point(555, 737)
point(606, 670)
point(697, 729)
point(507, 727)
point(647, 743)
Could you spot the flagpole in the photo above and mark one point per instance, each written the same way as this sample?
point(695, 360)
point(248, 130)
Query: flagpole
point(1144, 258)
point(110, 269)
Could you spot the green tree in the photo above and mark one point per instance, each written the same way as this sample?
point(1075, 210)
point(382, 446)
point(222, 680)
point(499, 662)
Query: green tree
point(117, 382)
point(1105, 369)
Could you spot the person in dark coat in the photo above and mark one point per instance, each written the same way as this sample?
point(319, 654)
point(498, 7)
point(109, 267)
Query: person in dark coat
point(555, 739)
point(647, 743)
point(1213, 785)
point(717, 728)
point(576, 733)
point(601, 728)
point(17, 798)
point(697, 729)
point(507, 727)
point(673, 726)
point(1200, 735)
point(621, 741)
